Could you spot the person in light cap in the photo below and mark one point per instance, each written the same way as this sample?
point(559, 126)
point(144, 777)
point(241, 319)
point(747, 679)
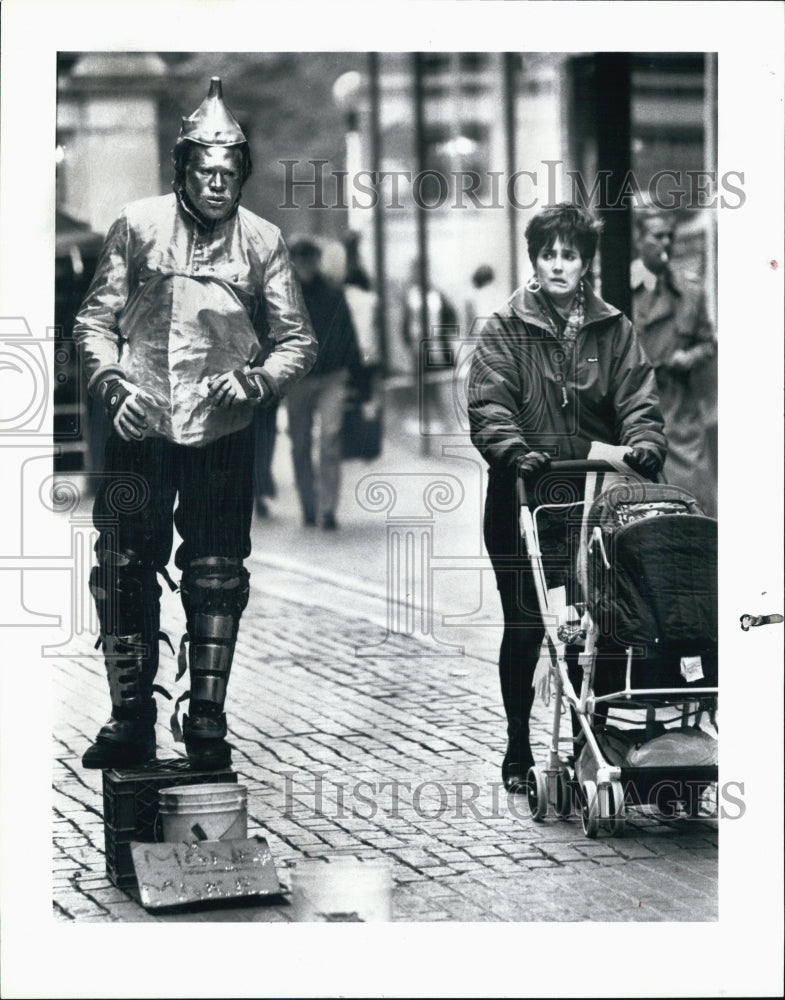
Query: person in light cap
point(194, 318)
point(671, 320)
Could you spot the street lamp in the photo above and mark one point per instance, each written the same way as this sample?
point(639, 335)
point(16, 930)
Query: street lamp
point(348, 91)
point(346, 94)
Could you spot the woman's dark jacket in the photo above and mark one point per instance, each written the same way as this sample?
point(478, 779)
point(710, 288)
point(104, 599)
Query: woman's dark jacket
point(530, 391)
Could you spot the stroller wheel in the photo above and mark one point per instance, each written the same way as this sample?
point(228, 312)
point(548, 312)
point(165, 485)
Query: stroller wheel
point(616, 813)
point(537, 793)
point(563, 794)
point(590, 809)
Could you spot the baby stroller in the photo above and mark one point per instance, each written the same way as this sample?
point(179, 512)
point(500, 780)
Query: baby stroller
point(641, 644)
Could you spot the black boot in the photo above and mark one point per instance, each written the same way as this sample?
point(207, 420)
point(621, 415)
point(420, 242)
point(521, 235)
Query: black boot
point(128, 737)
point(518, 758)
point(518, 656)
point(204, 732)
point(127, 599)
point(215, 592)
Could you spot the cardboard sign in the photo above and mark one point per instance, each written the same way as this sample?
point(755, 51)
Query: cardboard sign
point(180, 874)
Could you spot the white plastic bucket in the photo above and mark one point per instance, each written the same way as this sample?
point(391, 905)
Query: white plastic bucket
point(192, 813)
point(343, 889)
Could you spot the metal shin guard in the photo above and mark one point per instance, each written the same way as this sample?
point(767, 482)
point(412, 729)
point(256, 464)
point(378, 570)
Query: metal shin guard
point(126, 597)
point(214, 592)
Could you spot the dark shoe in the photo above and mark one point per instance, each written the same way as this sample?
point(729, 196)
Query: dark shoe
point(514, 773)
point(309, 520)
point(208, 754)
point(518, 758)
point(121, 743)
point(205, 743)
point(103, 755)
point(262, 510)
point(328, 522)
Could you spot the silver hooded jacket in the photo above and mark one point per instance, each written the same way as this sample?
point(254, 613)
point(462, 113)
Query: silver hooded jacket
point(173, 303)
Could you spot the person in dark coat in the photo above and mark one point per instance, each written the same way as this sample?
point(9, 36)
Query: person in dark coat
point(323, 391)
point(265, 434)
point(555, 369)
point(672, 323)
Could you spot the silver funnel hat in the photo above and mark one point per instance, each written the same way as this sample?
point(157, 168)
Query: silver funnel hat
point(212, 124)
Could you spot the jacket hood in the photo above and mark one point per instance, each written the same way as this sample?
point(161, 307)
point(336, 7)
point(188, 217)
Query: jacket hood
point(530, 307)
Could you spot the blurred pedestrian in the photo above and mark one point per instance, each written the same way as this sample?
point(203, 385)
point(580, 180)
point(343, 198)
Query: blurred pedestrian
point(355, 275)
point(555, 369)
point(431, 350)
point(322, 393)
point(265, 435)
point(483, 299)
point(363, 304)
point(194, 318)
point(671, 320)
point(362, 430)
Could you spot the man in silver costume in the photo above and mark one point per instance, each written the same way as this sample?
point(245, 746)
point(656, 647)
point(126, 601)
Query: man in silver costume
point(194, 318)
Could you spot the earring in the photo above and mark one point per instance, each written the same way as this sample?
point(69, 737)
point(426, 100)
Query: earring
point(533, 285)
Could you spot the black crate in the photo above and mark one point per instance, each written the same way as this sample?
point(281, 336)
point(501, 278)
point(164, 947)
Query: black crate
point(131, 808)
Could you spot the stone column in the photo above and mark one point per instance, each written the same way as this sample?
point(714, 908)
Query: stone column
point(107, 121)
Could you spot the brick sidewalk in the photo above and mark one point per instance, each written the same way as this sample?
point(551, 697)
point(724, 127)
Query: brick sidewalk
point(322, 736)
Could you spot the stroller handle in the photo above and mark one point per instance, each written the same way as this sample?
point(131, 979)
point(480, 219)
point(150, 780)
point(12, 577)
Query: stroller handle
point(568, 465)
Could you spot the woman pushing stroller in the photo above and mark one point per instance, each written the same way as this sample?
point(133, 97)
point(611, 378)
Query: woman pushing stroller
point(556, 368)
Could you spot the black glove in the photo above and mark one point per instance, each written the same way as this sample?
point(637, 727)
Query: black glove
point(645, 461)
point(124, 402)
point(531, 464)
point(238, 386)
point(113, 392)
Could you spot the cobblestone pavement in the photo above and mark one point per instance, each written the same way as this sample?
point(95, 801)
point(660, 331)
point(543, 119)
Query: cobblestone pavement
point(361, 756)
point(355, 742)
